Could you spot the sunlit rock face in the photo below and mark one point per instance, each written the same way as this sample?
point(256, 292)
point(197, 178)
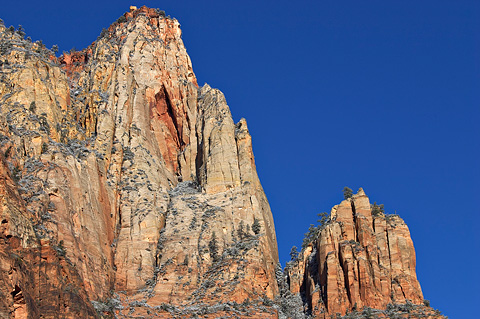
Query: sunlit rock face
point(360, 259)
point(127, 191)
point(124, 182)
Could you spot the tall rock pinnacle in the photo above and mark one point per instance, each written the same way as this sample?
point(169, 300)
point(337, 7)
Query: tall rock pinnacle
point(359, 259)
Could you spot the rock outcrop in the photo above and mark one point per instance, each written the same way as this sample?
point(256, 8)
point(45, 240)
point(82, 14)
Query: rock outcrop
point(127, 191)
point(127, 177)
point(360, 258)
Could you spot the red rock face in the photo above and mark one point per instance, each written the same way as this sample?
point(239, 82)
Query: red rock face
point(36, 279)
point(74, 61)
point(171, 137)
point(149, 12)
point(357, 261)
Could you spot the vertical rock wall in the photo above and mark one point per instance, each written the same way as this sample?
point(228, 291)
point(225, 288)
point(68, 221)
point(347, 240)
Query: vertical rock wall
point(125, 170)
point(358, 260)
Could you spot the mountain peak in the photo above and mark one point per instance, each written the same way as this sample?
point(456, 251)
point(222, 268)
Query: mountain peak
point(144, 10)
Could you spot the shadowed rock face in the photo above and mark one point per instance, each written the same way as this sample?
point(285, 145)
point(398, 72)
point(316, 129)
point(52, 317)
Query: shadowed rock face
point(358, 260)
point(125, 182)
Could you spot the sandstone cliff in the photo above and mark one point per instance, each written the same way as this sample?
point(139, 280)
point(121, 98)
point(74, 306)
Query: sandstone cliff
point(125, 173)
point(360, 258)
point(128, 191)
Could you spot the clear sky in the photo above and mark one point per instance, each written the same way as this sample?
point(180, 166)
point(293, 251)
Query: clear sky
point(382, 95)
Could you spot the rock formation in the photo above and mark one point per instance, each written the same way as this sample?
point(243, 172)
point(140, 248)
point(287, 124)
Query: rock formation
point(127, 190)
point(360, 258)
point(134, 177)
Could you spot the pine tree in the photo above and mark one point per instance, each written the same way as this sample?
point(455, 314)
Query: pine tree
point(256, 226)
point(44, 148)
point(310, 236)
point(281, 281)
point(240, 230)
point(291, 305)
point(294, 253)
point(323, 218)
point(213, 248)
point(377, 209)
point(347, 192)
point(32, 107)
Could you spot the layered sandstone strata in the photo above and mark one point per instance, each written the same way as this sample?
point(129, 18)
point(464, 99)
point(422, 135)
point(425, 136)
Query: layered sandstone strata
point(358, 260)
point(138, 178)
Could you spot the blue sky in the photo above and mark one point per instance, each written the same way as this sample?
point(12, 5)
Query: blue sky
point(382, 95)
